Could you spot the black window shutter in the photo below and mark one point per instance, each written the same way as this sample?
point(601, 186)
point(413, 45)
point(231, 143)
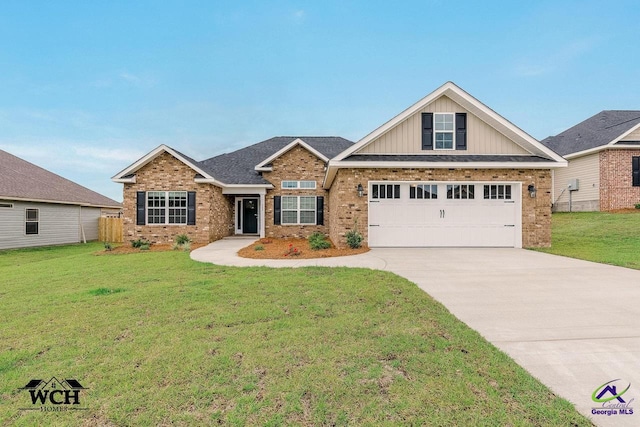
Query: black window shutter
point(191, 208)
point(427, 131)
point(320, 210)
point(276, 210)
point(140, 207)
point(461, 131)
point(635, 163)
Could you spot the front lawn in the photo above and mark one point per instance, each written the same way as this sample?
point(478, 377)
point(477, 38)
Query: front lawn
point(159, 339)
point(609, 238)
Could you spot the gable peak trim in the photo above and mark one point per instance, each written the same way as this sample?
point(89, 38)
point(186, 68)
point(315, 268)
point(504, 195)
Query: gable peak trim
point(264, 165)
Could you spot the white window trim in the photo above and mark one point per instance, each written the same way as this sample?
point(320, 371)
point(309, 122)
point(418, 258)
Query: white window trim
point(298, 185)
point(453, 132)
point(298, 210)
point(166, 208)
point(26, 220)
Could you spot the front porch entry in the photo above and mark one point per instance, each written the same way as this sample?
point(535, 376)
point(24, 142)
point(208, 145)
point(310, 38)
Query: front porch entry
point(247, 215)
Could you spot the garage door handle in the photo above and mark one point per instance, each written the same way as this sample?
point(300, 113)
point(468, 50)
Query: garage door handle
point(374, 225)
point(374, 201)
point(510, 201)
point(442, 213)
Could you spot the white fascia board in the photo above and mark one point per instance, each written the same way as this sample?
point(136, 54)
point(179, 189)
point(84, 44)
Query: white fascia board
point(622, 136)
point(59, 202)
point(131, 180)
point(246, 189)
point(470, 103)
point(601, 148)
point(262, 166)
point(152, 155)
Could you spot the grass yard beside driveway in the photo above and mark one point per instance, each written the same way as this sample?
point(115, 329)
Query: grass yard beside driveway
point(608, 238)
point(160, 339)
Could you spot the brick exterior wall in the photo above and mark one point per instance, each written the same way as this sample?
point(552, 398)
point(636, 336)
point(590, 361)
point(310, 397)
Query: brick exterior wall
point(616, 189)
point(347, 207)
point(298, 164)
point(214, 211)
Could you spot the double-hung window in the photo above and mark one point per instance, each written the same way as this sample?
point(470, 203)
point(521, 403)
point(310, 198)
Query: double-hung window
point(167, 207)
point(32, 221)
point(302, 185)
point(298, 210)
point(443, 129)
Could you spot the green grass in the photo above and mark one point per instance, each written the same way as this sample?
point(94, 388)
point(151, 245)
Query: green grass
point(159, 339)
point(609, 238)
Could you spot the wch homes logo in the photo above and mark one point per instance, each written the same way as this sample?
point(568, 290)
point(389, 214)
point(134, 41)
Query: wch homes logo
point(54, 395)
point(610, 395)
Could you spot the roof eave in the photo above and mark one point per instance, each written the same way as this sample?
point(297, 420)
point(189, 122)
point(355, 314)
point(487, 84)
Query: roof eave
point(60, 202)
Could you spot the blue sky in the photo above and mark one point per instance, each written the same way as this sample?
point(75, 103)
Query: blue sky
point(86, 88)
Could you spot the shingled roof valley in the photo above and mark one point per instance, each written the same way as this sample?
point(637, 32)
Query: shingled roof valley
point(238, 167)
point(22, 180)
point(596, 131)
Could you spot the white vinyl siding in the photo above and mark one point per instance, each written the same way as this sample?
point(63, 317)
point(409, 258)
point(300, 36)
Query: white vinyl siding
point(587, 170)
point(406, 137)
point(633, 136)
point(57, 224)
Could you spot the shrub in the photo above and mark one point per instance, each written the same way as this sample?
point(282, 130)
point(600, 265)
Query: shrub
point(354, 239)
point(140, 243)
point(107, 246)
point(186, 247)
point(182, 239)
point(292, 251)
point(258, 248)
point(145, 246)
point(318, 241)
point(637, 205)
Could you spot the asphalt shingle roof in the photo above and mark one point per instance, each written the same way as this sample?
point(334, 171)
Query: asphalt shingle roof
point(238, 167)
point(594, 132)
point(23, 180)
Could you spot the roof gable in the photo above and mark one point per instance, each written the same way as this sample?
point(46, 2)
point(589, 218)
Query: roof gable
point(21, 180)
point(529, 144)
point(604, 129)
point(265, 164)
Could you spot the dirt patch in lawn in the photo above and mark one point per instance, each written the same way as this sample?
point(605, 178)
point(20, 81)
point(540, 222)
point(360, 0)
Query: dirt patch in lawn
point(293, 249)
point(128, 249)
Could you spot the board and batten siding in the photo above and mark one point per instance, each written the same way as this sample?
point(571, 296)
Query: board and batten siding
point(587, 198)
point(58, 224)
point(406, 137)
point(633, 136)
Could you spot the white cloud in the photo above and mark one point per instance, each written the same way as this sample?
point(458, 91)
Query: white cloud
point(143, 81)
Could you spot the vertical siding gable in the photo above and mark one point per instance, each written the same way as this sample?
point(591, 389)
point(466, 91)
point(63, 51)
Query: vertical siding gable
point(406, 137)
point(633, 136)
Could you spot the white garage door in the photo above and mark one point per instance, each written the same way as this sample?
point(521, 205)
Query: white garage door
point(423, 214)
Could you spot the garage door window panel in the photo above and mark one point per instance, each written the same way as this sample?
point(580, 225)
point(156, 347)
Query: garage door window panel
point(385, 191)
point(423, 191)
point(460, 192)
point(497, 192)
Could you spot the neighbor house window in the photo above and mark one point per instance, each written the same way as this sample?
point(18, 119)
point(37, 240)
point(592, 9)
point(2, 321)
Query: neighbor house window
point(443, 129)
point(461, 191)
point(298, 210)
point(32, 221)
point(6, 205)
point(497, 192)
point(304, 185)
point(385, 191)
point(166, 207)
point(635, 171)
point(423, 191)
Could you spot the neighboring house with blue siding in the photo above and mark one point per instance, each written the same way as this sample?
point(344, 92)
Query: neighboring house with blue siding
point(39, 208)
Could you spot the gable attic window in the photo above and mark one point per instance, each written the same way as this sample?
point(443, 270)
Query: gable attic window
point(444, 131)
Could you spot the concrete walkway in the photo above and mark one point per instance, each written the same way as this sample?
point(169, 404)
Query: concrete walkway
point(572, 324)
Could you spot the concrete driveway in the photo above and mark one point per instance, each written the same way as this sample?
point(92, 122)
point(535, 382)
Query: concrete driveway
point(572, 324)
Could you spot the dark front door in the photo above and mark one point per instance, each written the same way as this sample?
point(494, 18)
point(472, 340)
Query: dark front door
point(250, 216)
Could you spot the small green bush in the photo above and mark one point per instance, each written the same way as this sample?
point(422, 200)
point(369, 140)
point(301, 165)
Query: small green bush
point(318, 241)
point(108, 246)
point(637, 205)
point(258, 248)
point(182, 239)
point(140, 243)
point(186, 247)
point(354, 239)
point(145, 246)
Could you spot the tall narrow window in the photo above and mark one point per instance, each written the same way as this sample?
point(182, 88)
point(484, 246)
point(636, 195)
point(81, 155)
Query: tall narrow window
point(635, 168)
point(32, 221)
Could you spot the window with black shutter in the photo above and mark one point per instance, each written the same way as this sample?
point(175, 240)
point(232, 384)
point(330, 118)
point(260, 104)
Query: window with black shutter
point(635, 168)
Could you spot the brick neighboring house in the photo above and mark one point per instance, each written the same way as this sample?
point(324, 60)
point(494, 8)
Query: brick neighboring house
point(604, 163)
point(447, 171)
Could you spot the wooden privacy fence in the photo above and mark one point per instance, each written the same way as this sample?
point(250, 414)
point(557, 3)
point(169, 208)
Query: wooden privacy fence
point(110, 230)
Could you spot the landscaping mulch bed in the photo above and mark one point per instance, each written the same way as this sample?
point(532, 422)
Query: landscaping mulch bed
point(293, 249)
point(128, 249)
